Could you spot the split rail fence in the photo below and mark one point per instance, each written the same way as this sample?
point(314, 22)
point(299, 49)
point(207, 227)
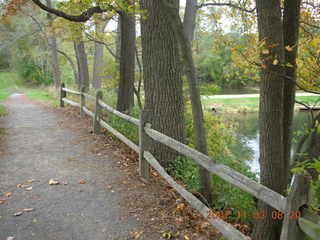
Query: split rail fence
point(294, 228)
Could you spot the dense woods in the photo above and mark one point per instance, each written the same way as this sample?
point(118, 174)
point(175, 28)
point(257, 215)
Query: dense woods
point(158, 58)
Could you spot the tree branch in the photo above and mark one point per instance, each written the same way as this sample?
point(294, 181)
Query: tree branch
point(227, 4)
point(83, 17)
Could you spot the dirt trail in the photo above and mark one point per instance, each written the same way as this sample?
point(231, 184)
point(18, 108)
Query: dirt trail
point(41, 143)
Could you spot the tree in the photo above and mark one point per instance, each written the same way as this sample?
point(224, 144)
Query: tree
point(183, 35)
point(98, 62)
point(276, 101)
point(164, 107)
point(127, 61)
point(54, 51)
point(82, 63)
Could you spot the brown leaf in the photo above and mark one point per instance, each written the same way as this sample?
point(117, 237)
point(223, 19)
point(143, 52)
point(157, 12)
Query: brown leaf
point(18, 214)
point(8, 194)
point(53, 182)
point(30, 180)
point(2, 201)
point(108, 187)
point(28, 209)
point(82, 181)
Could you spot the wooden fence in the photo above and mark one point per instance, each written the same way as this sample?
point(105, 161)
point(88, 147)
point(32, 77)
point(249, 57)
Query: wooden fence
point(294, 226)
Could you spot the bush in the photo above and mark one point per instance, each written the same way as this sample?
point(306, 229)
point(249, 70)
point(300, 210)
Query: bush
point(31, 74)
point(221, 141)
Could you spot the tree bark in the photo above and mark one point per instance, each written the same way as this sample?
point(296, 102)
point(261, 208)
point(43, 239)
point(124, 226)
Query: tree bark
point(54, 52)
point(82, 63)
point(127, 62)
point(272, 165)
point(197, 113)
point(189, 20)
point(98, 63)
point(164, 107)
point(118, 40)
point(291, 18)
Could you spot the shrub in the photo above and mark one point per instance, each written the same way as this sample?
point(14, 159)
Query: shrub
point(32, 74)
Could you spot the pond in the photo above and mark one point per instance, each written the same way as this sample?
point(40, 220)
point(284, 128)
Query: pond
point(248, 133)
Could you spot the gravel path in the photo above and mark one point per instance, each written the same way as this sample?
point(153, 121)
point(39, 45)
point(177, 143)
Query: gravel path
point(41, 144)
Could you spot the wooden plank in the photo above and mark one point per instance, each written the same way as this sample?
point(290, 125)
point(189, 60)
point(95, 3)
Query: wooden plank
point(82, 101)
point(144, 168)
point(97, 114)
point(119, 114)
point(88, 112)
point(298, 197)
point(248, 185)
point(309, 228)
point(225, 228)
point(71, 91)
point(62, 95)
point(92, 98)
point(123, 138)
point(72, 103)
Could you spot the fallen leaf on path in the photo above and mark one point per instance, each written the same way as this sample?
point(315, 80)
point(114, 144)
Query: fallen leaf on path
point(18, 214)
point(82, 182)
point(2, 201)
point(53, 182)
point(108, 187)
point(136, 235)
point(28, 188)
point(30, 180)
point(8, 194)
point(28, 209)
point(19, 185)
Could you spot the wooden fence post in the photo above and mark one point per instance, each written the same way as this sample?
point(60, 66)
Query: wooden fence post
point(63, 94)
point(298, 197)
point(82, 101)
point(97, 114)
point(144, 168)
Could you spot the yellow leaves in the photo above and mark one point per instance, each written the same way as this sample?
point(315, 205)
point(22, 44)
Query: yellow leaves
point(265, 51)
point(275, 62)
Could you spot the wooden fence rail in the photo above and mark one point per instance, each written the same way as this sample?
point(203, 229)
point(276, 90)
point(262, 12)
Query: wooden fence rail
point(301, 226)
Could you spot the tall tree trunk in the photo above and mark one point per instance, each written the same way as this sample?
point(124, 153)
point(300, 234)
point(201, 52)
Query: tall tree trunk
point(272, 164)
point(118, 40)
point(82, 63)
point(127, 62)
point(291, 18)
point(184, 37)
point(164, 107)
point(98, 63)
point(54, 53)
point(189, 20)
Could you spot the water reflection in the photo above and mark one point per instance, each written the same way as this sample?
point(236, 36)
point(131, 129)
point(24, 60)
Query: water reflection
point(248, 133)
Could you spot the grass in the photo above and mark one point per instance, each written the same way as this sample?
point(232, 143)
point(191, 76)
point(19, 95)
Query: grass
point(45, 95)
point(247, 104)
point(8, 82)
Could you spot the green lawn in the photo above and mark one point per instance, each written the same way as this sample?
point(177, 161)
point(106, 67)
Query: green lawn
point(247, 104)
